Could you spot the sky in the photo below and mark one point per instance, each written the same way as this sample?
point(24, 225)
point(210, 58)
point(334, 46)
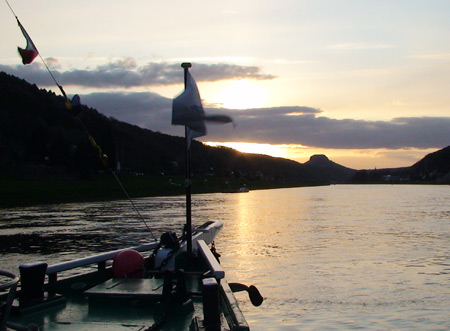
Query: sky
point(366, 83)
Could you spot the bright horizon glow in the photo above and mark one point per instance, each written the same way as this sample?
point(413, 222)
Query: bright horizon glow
point(254, 148)
point(353, 158)
point(241, 94)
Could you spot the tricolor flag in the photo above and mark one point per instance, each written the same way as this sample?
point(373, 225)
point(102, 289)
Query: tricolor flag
point(30, 52)
point(187, 110)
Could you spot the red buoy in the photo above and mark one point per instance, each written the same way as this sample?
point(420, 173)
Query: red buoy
point(128, 263)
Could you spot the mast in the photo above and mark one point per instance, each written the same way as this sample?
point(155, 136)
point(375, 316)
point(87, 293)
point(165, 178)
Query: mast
point(186, 66)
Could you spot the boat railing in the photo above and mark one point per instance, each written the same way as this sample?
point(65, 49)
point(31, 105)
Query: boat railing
point(99, 259)
point(211, 260)
point(11, 287)
point(207, 232)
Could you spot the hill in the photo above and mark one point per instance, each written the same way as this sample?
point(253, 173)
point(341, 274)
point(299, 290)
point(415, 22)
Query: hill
point(46, 147)
point(329, 170)
point(434, 168)
point(41, 140)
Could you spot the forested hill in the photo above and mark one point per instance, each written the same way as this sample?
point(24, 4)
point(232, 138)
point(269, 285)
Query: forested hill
point(41, 139)
point(434, 168)
point(39, 136)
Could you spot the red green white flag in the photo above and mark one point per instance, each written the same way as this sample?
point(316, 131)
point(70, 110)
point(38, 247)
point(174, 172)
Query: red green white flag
point(30, 52)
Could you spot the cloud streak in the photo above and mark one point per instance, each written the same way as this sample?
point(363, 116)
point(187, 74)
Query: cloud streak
point(281, 125)
point(359, 46)
point(324, 132)
point(126, 73)
point(145, 109)
point(278, 125)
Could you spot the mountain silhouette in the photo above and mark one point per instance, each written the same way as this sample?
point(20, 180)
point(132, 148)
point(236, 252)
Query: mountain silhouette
point(329, 170)
point(40, 138)
point(434, 168)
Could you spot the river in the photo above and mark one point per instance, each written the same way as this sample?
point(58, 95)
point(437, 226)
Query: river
point(341, 257)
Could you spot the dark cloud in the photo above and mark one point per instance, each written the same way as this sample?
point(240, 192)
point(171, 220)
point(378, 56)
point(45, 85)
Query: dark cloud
point(35, 73)
point(146, 109)
point(281, 125)
point(323, 132)
point(277, 125)
point(125, 73)
point(215, 72)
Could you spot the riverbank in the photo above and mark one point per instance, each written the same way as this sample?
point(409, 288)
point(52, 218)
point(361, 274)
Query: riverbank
point(17, 192)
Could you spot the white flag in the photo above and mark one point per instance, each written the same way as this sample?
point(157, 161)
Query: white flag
point(187, 110)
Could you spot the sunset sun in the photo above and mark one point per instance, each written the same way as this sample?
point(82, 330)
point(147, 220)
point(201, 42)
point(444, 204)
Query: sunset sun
point(242, 94)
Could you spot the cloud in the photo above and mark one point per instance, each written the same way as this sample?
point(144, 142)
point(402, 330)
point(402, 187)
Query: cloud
point(280, 125)
point(359, 46)
point(34, 73)
point(215, 72)
point(126, 73)
point(145, 109)
point(53, 63)
point(432, 56)
point(324, 132)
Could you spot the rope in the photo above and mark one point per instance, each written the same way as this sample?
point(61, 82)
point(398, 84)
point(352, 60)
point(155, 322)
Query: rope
point(161, 320)
point(91, 139)
point(11, 9)
point(133, 204)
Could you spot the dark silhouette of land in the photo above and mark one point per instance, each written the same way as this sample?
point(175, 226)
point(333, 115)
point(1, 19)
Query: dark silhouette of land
point(434, 168)
point(45, 149)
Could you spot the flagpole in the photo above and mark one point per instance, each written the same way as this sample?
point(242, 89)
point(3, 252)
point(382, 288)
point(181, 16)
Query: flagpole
point(186, 66)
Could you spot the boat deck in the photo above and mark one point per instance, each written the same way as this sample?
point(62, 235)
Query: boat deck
point(122, 304)
point(184, 299)
point(119, 304)
point(125, 315)
point(127, 288)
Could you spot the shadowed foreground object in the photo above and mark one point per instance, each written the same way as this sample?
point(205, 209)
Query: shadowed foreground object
point(253, 293)
point(128, 263)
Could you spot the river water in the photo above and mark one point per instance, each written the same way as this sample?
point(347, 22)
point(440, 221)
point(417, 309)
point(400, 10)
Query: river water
point(342, 257)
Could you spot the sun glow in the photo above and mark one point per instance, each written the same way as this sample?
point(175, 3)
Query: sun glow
point(284, 151)
point(242, 94)
point(354, 158)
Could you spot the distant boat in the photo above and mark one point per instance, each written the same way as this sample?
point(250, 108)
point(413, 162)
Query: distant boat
point(242, 189)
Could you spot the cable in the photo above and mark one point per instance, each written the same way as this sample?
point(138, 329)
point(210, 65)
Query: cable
point(91, 139)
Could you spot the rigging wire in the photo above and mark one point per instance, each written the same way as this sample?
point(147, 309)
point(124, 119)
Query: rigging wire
point(11, 9)
point(103, 157)
point(133, 204)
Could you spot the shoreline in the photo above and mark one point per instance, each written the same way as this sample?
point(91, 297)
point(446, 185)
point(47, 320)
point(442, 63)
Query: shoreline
point(20, 192)
point(27, 192)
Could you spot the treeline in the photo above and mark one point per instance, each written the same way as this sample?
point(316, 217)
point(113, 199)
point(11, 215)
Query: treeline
point(434, 168)
point(40, 137)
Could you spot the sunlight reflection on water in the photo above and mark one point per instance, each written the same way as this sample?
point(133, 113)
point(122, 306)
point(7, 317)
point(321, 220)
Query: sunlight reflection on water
point(338, 257)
